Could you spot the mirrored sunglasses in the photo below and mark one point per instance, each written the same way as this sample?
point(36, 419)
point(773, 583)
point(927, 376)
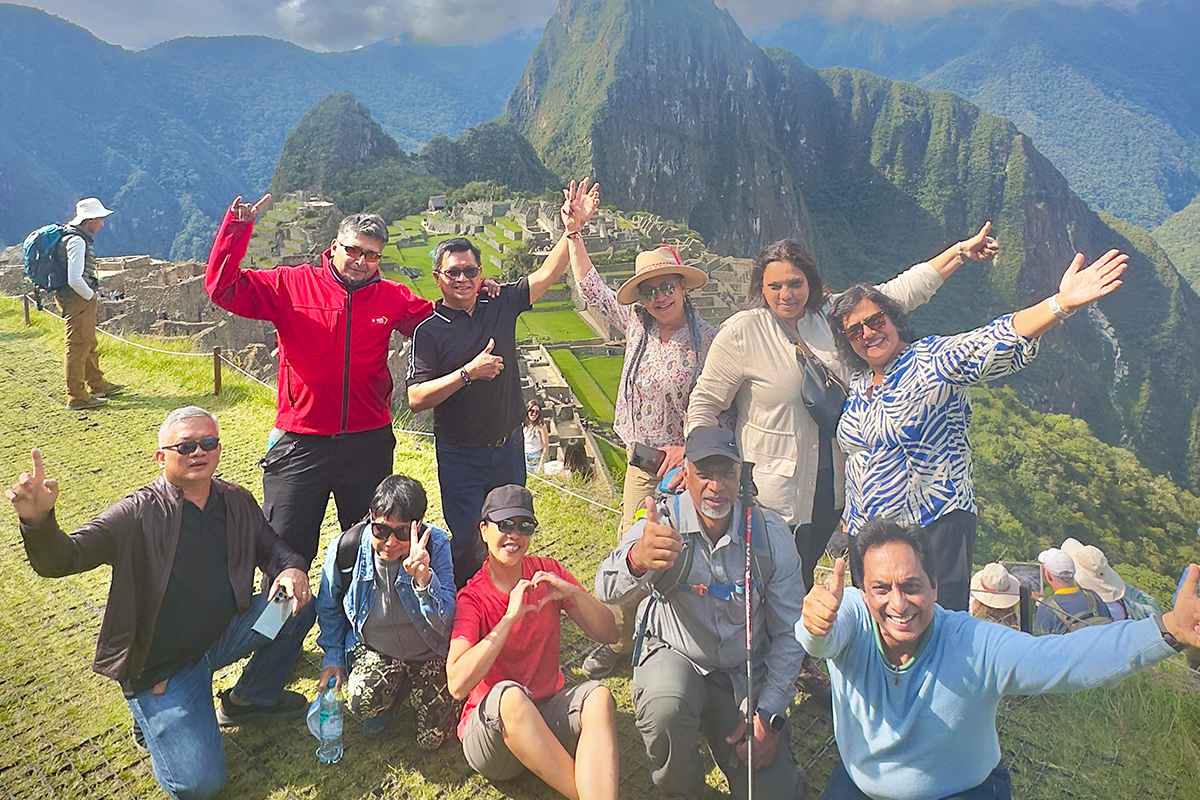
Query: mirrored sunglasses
point(525, 528)
point(666, 289)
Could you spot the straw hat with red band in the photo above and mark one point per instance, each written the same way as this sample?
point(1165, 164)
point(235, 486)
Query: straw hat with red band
point(995, 587)
point(660, 261)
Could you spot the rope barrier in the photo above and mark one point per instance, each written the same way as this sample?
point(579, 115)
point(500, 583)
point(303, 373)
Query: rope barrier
point(272, 388)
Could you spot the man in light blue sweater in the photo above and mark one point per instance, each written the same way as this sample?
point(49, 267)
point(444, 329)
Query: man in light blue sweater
point(915, 687)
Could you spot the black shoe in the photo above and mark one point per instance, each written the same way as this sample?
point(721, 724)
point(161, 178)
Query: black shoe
point(289, 705)
point(601, 662)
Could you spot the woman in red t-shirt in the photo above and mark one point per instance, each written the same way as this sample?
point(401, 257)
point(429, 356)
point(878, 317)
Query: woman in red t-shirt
point(507, 627)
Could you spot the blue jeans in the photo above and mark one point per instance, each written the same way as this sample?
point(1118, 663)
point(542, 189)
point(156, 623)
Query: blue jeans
point(180, 725)
point(997, 786)
point(466, 474)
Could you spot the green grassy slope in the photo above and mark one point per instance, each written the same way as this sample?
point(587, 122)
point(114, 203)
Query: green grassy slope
point(67, 730)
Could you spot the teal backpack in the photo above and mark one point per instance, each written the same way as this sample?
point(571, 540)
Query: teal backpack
point(45, 258)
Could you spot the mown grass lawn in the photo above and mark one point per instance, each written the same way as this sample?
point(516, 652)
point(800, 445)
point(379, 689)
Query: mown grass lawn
point(66, 730)
point(606, 372)
point(596, 403)
point(554, 326)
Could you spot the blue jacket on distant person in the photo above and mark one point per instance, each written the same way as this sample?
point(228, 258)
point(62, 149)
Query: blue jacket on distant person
point(431, 609)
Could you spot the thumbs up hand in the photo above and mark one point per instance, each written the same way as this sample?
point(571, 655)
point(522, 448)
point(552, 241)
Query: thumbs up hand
point(1183, 621)
point(485, 366)
point(660, 544)
point(822, 603)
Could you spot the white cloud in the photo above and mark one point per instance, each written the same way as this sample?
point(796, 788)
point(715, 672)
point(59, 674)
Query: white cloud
point(340, 24)
point(760, 15)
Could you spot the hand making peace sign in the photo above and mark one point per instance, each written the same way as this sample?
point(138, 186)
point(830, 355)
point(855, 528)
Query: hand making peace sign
point(416, 564)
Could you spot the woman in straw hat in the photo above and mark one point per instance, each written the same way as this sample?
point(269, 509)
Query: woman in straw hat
point(665, 344)
point(994, 596)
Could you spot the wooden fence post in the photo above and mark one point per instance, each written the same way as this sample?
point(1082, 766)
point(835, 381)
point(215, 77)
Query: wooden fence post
point(216, 371)
point(25, 300)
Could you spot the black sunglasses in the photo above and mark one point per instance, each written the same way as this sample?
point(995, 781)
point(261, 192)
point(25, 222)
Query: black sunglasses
point(460, 272)
point(666, 289)
point(188, 446)
point(358, 252)
point(858, 329)
point(526, 528)
point(383, 531)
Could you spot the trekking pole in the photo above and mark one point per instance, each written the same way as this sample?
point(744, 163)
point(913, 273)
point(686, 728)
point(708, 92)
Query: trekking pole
point(747, 492)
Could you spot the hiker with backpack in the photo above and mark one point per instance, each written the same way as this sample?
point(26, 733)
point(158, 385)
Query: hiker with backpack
point(385, 610)
point(1068, 606)
point(60, 259)
point(689, 674)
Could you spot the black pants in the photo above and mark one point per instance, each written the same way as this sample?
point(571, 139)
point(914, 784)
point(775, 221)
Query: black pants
point(951, 540)
point(301, 470)
point(812, 536)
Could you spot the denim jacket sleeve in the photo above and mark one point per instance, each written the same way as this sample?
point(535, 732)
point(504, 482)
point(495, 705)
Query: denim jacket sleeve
point(437, 600)
point(331, 616)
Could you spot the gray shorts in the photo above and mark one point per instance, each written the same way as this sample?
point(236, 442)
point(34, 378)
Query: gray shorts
point(483, 739)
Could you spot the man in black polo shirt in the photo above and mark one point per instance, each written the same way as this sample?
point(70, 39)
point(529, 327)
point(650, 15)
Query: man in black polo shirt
point(464, 367)
point(183, 552)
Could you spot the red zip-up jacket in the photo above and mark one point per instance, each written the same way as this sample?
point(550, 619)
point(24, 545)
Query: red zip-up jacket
point(333, 340)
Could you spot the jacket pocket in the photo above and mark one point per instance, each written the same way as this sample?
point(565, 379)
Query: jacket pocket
point(273, 458)
point(771, 452)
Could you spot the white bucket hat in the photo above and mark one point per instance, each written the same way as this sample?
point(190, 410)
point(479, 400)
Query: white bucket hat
point(995, 587)
point(1092, 570)
point(89, 208)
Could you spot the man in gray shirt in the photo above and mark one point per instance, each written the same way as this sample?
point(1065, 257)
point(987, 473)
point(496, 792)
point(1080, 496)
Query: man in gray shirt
point(689, 674)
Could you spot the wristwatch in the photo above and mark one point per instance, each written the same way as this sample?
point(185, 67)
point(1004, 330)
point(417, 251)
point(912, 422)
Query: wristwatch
point(775, 721)
point(1175, 644)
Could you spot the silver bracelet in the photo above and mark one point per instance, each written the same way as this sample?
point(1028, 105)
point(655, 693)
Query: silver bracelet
point(1058, 310)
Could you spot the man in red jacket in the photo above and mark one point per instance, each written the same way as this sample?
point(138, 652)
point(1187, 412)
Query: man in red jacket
point(333, 322)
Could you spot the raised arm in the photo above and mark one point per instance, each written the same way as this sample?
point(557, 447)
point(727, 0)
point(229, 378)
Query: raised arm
point(579, 203)
point(52, 553)
point(979, 247)
point(247, 293)
point(1078, 288)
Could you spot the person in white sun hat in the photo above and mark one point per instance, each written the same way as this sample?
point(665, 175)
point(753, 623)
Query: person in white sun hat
point(78, 302)
point(1065, 606)
point(1092, 571)
point(994, 596)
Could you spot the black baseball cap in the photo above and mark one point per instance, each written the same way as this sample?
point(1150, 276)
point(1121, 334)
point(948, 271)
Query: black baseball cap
point(506, 502)
point(709, 440)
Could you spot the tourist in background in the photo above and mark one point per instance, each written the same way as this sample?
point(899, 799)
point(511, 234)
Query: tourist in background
point(385, 608)
point(665, 345)
point(1064, 605)
point(79, 303)
point(996, 595)
point(752, 365)
point(504, 661)
point(904, 428)
point(1092, 571)
point(537, 438)
point(464, 366)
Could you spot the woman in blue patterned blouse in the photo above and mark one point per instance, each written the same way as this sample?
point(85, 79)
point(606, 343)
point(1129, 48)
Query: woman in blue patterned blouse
point(904, 430)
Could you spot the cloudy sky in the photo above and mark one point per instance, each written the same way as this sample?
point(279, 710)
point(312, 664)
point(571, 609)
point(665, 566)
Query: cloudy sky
point(344, 24)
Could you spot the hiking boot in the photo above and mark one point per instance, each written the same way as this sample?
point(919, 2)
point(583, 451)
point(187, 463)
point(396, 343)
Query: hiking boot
point(290, 704)
point(112, 390)
point(91, 402)
point(601, 662)
point(378, 725)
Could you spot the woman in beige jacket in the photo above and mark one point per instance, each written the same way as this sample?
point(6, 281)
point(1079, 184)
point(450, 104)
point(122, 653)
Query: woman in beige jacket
point(752, 364)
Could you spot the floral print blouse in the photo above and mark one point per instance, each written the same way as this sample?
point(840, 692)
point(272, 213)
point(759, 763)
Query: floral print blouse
point(651, 408)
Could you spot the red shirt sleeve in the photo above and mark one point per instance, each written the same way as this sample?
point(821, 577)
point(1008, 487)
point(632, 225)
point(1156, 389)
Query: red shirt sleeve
point(247, 293)
point(467, 619)
point(413, 310)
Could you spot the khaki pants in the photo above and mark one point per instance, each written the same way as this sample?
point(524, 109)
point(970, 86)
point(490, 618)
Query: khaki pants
point(639, 485)
point(82, 361)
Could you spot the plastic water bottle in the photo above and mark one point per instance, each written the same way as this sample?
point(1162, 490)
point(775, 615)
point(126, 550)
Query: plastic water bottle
point(330, 751)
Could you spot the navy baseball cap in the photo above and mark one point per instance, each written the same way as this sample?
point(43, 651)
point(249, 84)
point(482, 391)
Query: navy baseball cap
point(709, 440)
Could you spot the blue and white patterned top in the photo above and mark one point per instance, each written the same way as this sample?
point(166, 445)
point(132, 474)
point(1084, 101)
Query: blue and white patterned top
point(907, 454)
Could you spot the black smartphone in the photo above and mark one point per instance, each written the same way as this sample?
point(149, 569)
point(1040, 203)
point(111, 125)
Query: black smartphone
point(647, 458)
